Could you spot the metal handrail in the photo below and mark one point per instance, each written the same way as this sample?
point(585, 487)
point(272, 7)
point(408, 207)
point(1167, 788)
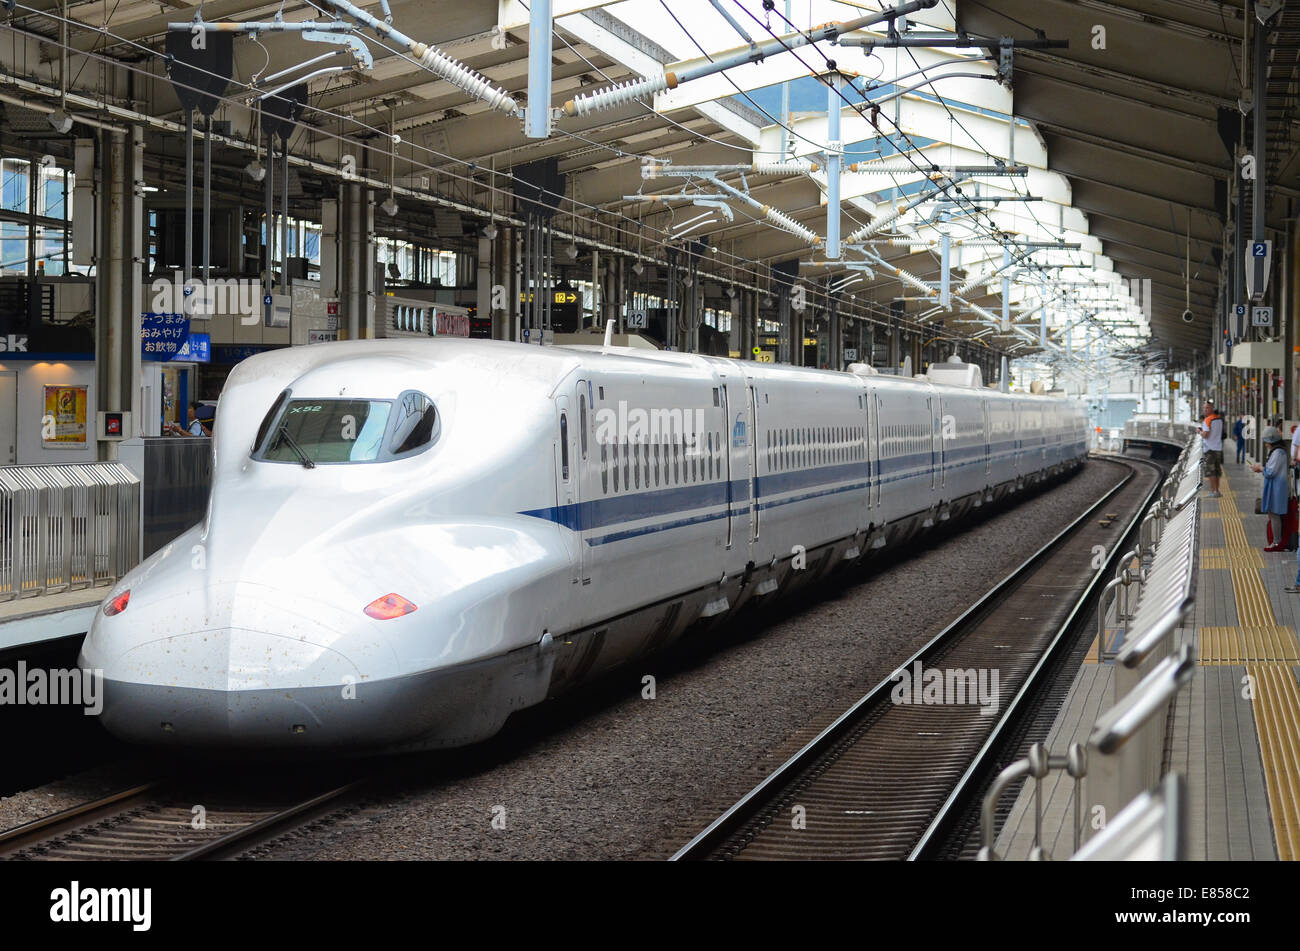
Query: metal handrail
point(1038, 764)
point(1121, 722)
point(1152, 826)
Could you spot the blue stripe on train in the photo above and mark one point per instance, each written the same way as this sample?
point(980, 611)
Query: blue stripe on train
point(638, 506)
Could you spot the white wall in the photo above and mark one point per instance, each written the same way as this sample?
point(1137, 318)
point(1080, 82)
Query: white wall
point(32, 378)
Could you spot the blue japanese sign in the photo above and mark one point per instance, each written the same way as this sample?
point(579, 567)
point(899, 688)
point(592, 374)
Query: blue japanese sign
point(197, 348)
point(162, 335)
point(226, 353)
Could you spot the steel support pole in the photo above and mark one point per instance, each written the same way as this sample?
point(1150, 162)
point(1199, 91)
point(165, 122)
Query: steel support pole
point(188, 271)
point(833, 162)
point(538, 120)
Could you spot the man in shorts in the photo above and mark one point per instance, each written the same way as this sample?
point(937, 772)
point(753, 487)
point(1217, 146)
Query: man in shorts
point(1212, 435)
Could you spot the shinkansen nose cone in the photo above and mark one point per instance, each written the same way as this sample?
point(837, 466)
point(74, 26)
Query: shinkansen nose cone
point(299, 647)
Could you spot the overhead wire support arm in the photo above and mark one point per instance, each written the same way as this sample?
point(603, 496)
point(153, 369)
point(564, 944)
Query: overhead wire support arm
point(622, 93)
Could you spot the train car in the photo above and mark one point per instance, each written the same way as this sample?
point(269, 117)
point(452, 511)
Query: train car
point(408, 540)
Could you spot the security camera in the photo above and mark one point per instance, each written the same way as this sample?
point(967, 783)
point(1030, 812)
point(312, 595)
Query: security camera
point(389, 207)
point(638, 268)
point(255, 171)
point(1187, 316)
point(490, 231)
point(61, 121)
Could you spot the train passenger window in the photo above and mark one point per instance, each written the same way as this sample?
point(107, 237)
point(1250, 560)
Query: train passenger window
point(658, 467)
point(709, 443)
point(604, 470)
point(564, 446)
point(614, 451)
point(677, 461)
point(636, 463)
point(627, 467)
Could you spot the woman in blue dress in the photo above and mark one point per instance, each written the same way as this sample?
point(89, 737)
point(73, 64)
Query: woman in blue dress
point(1276, 493)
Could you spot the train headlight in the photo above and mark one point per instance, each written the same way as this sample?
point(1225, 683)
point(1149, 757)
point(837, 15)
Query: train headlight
point(117, 605)
point(388, 607)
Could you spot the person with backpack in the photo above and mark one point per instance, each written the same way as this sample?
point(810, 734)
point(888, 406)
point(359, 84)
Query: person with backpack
point(1212, 437)
point(1239, 434)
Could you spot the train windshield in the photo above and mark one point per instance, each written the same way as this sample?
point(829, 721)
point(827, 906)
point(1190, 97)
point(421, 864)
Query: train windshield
point(334, 431)
point(328, 431)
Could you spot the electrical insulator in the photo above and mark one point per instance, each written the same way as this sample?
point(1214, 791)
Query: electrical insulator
point(462, 77)
point(619, 94)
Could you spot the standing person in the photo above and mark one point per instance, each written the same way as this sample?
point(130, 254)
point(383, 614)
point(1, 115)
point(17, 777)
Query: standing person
point(1239, 434)
point(194, 425)
point(1212, 435)
point(1277, 493)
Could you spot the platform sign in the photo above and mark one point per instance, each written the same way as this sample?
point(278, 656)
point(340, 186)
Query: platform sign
point(1261, 316)
point(850, 354)
point(637, 320)
point(1259, 259)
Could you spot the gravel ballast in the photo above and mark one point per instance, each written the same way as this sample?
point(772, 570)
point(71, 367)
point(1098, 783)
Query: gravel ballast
point(612, 775)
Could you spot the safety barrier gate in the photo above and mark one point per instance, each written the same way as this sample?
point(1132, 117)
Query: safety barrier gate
point(64, 527)
point(1123, 762)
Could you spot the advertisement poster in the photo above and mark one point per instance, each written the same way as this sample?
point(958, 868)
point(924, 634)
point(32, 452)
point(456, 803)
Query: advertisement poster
point(65, 416)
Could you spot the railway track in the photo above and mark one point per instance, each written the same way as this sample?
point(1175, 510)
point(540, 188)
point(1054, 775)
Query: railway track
point(891, 780)
point(162, 820)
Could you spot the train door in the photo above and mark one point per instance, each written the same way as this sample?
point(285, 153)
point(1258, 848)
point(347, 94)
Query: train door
point(566, 480)
point(934, 443)
point(988, 438)
point(753, 464)
point(873, 420)
point(728, 434)
point(864, 400)
point(584, 479)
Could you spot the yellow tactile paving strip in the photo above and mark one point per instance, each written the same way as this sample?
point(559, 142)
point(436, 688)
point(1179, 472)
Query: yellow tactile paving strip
point(1276, 706)
point(1268, 650)
point(1225, 558)
point(1271, 643)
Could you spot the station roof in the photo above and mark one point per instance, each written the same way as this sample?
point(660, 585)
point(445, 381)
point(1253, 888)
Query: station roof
point(1125, 139)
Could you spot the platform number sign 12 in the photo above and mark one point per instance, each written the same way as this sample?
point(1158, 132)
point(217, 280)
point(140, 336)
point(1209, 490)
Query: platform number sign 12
point(637, 320)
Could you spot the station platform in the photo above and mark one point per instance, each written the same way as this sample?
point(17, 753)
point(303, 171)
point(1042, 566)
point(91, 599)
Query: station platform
point(25, 622)
point(1234, 732)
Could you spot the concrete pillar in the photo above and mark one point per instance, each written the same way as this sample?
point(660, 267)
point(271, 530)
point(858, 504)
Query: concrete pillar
point(329, 247)
point(483, 279)
point(119, 257)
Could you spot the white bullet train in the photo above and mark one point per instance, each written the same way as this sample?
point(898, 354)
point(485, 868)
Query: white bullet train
point(408, 540)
